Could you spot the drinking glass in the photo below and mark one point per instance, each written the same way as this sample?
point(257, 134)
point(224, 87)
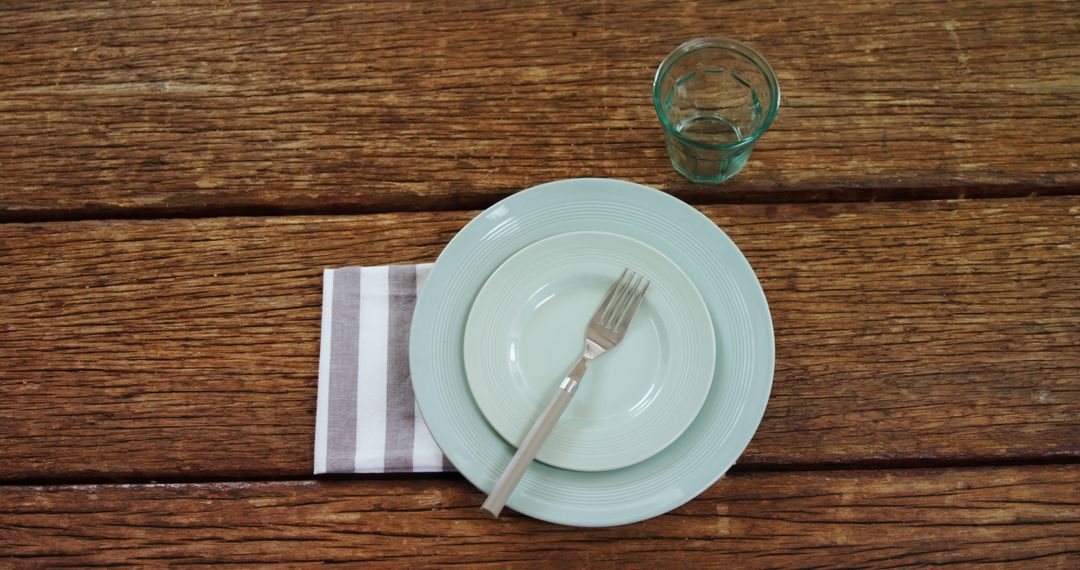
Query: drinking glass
point(714, 97)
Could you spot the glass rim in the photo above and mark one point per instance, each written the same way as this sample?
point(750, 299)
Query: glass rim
point(739, 48)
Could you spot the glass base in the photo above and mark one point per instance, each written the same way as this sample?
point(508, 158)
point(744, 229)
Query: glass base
point(706, 166)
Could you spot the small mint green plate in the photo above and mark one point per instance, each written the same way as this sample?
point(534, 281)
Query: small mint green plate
point(742, 328)
point(527, 327)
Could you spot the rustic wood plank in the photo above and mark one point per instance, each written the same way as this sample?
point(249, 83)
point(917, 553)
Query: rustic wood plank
point(921, 332)
point(1014, 516)
point(126, 109)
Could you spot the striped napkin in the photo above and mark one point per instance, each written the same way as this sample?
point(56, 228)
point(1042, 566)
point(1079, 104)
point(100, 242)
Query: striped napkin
point(367, 420)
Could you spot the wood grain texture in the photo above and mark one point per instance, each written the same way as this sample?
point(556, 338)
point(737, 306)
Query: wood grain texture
point(1025, 517)
point(126, 109)
point(907, 333)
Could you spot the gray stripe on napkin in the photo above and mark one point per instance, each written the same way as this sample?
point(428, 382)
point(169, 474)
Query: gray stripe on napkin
point(344, 354)
point(400, 404)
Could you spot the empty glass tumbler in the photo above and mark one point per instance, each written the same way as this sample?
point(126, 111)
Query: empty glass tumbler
point(714, 97)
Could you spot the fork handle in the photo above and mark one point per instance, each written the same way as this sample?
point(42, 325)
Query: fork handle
point(533, 441)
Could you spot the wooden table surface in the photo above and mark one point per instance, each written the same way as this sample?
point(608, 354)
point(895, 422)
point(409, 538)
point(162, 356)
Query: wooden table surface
point(175, 177)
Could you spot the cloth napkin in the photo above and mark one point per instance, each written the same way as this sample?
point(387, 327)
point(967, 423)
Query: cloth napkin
point(367, 420)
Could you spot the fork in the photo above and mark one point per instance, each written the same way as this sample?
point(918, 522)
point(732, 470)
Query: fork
point(606, 328)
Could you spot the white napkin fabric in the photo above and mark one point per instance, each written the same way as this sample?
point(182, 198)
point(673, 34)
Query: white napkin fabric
point(367, 420)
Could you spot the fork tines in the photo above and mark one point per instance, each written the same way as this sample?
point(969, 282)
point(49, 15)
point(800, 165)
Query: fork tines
point(622, 300)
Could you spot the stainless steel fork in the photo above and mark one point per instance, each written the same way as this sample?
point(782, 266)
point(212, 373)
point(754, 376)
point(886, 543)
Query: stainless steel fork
point(606, 328)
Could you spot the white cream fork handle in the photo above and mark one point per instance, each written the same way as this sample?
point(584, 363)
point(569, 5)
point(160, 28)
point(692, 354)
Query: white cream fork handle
point(605, 330)
point(495, 502)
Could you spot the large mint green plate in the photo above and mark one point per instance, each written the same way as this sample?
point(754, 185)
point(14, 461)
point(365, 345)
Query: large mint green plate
point(741, 323)
point(527, 327)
